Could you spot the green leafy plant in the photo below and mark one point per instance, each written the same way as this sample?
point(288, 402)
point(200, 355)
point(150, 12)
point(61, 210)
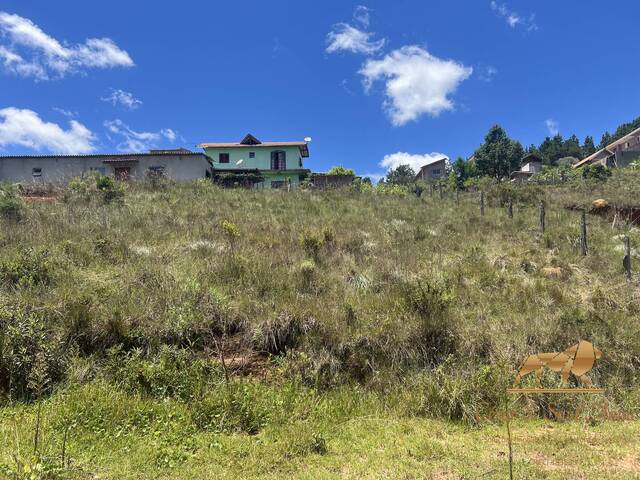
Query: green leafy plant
point(12, 207)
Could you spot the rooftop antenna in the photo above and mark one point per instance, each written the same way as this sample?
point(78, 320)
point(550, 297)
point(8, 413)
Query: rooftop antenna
point(307, 139)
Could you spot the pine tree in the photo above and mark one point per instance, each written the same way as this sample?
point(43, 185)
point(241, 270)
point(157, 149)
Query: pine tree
point(498, 156)
point(589, 147)
point(607, 138)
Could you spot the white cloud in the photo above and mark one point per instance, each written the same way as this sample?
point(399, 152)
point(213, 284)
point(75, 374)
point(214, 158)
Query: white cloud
point(344, 37)
point(416, 82)
point(361, 15)
point(415, 161)
point(552, 126)
point(65, 112)
point(120, 97)
point(487, 74)
point(26, 50)
point(133, 141)
point(25, 128)
point(514, 19)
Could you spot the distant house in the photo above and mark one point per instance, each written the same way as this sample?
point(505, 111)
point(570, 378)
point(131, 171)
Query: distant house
point(531, 164)
point(179, 164)
point(434, 170)
point(279, 164)
point(617, 154)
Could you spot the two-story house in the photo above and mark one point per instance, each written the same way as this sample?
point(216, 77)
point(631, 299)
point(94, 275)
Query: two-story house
point(436, 169)
point(280, 164)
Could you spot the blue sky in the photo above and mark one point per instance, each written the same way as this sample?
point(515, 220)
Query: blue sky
point(374, 83)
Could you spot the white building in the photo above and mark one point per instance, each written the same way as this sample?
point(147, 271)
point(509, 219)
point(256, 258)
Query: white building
point(179, 165)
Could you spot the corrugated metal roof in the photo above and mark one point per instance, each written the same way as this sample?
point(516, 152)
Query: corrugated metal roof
point(109, 155)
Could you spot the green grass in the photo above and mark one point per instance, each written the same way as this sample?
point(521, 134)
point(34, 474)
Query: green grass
point(364, 334)
point(342, 434)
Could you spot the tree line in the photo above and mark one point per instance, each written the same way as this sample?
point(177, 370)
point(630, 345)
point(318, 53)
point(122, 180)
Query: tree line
point(499, 155)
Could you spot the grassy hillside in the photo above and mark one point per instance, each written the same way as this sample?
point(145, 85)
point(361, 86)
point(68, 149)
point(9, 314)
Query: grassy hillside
point(171, 329)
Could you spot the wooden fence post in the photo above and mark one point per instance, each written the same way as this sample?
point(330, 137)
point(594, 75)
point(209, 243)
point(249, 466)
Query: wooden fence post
point(482, 203)
point(542, 217)
point(584, 248)
point(510, 208)
point(626, 261)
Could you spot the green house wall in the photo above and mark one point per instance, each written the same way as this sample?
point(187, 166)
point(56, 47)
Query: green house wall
point(261, 161)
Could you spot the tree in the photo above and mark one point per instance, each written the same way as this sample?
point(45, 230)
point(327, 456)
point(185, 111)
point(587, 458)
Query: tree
point(462, 170)
point(498, 156)
point(401, 175)
point(571, 147)
point(607, 138)
point(589, 147)
point(340, 171)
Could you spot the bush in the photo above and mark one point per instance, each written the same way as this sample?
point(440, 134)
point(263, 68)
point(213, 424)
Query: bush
point(312, 244)
point(599, 173)
point(12, 207)
point(282, 333)
point(461, 392)
point(112, 190)
point(29, 269)
point(232, 408)
point(31, 358)
point(172, 373)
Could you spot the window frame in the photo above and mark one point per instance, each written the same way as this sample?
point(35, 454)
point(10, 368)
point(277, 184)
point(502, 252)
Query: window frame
point(278, 160)
point(224, 155)
point(36, 172)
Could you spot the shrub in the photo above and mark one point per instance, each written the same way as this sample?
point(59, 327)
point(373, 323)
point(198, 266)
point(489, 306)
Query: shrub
point(282, 333)
point(231, 232)
point(29, 269)
point(171, 373)
point(307, 273)
point(31, 358)
point(312, 244)
point(340, 170)
point(461, 392)
point(232, 408)
point(599, 173)
point(12, 207)
point(112, 190)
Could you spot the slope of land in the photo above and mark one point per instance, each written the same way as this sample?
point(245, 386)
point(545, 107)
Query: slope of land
point(166, 331)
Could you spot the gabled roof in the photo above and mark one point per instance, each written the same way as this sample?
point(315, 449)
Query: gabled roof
point(432, 161)
point(530, 158)
point(251, 141)
point(609, 149)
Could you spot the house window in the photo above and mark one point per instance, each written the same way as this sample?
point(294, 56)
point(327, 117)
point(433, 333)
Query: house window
point(223, 158)
point(156, 172)
point(278, 160)
point(435, 172)
point(36, 172)
point(252, 154)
